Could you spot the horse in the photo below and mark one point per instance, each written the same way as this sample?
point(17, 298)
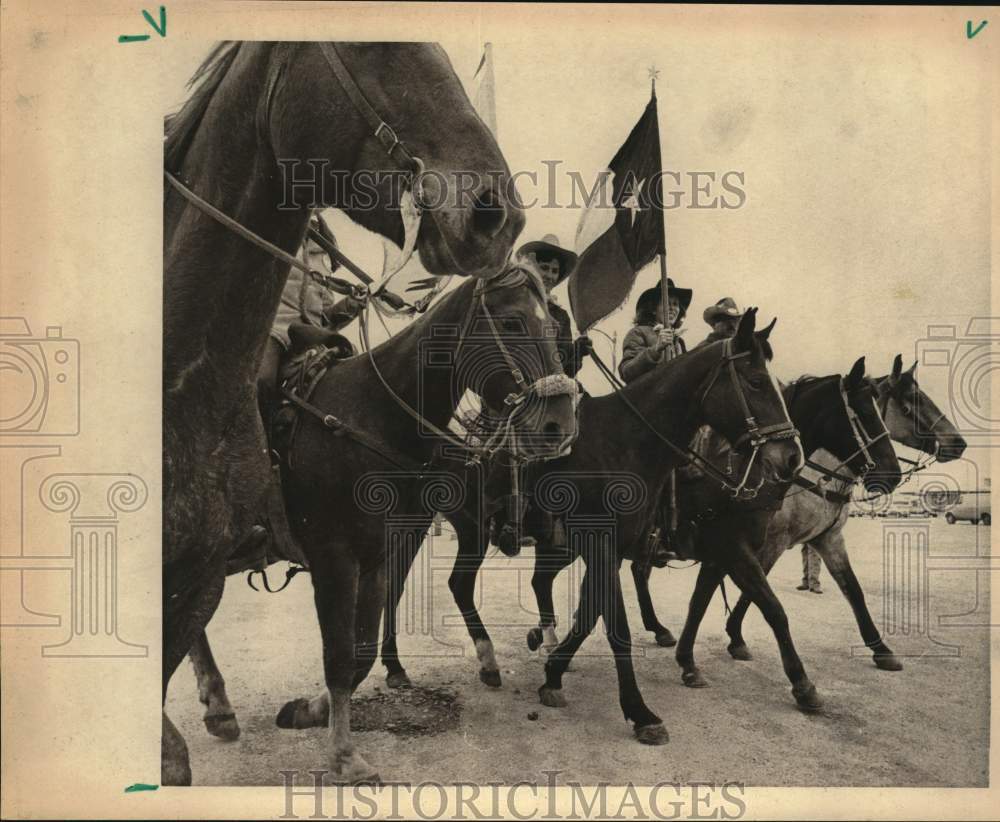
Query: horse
point(382, 459)
point(233, 220)
point(912, 419)
point(725, 384)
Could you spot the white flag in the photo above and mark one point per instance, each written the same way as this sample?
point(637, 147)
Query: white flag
point(484, 98)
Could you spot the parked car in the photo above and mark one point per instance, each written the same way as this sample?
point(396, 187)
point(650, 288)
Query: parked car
point(973, 506)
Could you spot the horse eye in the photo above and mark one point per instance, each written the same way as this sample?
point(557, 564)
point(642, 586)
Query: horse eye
point(514, 326)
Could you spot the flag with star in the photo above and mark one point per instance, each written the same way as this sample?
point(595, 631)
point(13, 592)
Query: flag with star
point(621, 229)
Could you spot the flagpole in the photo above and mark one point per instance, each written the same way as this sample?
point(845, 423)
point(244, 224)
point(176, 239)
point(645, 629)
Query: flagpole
point(671, 489)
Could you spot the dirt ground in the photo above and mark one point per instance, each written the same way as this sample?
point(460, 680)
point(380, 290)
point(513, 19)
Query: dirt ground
point(927, 725)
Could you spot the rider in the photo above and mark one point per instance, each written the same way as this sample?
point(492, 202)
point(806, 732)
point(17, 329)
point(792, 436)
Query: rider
point(724, 318)
point(555, 264)
point(303, 300)
point(654, 339)
point(651, 339)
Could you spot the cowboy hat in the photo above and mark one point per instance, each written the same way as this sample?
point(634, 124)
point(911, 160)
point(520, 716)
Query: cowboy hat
point(724, 309)
point(549, 246)
point(652, 296)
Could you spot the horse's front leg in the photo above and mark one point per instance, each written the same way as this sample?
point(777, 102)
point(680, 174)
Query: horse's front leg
point(832, 548)
point(709, 577)
point(462, 582)
point(747, 573)
point(640, 575)
point(400, 559)
point(336, 581)
point(219, 718)
point(548, 564)
point(648, 726)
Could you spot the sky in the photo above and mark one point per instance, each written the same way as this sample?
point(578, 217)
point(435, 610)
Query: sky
point(866, 166)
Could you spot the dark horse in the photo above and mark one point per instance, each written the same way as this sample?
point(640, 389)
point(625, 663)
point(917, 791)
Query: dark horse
point(620, 463)
point(912, 419)
point(832, 413)
point(257, 104)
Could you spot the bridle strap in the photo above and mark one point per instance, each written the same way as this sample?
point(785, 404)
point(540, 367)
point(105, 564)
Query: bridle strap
point(382, 131)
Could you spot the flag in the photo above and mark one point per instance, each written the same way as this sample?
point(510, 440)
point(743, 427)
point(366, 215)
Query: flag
point(621, 229)
point(484, 98)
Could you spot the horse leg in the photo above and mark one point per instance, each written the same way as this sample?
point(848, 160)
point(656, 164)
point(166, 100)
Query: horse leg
point(336, 582)
point(399, 559)
point(709, 576)
point(737, 647)
point(558, 660)
point(185, 615)
point(648, 726)
point(834, 552)
point(219, 718)
point(368, 614)
point(462, 583)
point(640, 575)
point(542, 580)
point(747, 573)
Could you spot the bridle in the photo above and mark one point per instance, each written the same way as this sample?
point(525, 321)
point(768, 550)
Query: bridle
point(864, 442)
point(757, 436)
point(547, 386)
point(886, 395)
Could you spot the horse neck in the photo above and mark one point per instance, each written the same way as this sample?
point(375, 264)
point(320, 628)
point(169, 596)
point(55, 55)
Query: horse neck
point(400, 359)
point(807, 407)
point(664, 398)
point(221, 291)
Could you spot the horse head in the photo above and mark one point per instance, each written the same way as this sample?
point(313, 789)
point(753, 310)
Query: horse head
point(862, 428)
point(385, 121)
point(508, 357)
point(912, 417)
point(747, 407)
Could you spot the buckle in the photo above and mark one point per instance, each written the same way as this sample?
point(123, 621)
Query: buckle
point(385, 128)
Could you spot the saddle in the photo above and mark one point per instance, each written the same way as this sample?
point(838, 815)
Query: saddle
point(313, 352)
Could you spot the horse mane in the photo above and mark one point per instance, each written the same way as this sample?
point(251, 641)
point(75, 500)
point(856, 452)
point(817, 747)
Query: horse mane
point(179, 128)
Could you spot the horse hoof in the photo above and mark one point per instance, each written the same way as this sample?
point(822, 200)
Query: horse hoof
point(652, 734)
point(534, 639)
point(740, 651)
point(398, 679)
point(551, 697)
point(295, 714)
point(666, 639)
point(223, 726)
point(888, 662)
point(491, 678)
point(807, 698)
point(693, 678)
point(352, 769)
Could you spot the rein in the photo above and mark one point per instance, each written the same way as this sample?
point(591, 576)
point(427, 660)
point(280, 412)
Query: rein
point(758, 436)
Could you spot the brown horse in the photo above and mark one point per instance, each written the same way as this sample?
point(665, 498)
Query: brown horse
point(257, 106)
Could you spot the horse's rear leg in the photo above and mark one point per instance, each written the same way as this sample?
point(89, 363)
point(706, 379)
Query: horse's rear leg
point(834, 552)
point(336, 582)
point(746, 572)
point(542, 580)
point(584, 620)
point(175, 764)
point(399, 559)
point(219, 718)
point(709, 576)
point(462, 582)
point(640, 575)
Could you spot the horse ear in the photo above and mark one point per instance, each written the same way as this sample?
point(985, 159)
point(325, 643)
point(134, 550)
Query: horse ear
point(744, 334)
point(764, 333)
point(912, 368)
point(897, 367)
point(857, 374)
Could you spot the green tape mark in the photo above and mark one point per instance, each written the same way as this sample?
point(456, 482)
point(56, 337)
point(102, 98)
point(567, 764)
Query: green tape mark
point(140, 786)
point(132, 38)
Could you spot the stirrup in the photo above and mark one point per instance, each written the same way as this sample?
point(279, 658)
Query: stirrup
point(290, 574)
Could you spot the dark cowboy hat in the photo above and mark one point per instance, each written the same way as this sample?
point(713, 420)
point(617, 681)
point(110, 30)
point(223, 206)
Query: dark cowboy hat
point(549, 246)
point(651, 296)
point(724, 309)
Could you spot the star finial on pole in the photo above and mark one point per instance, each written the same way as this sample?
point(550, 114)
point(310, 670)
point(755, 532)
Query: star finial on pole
point(654, 72)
